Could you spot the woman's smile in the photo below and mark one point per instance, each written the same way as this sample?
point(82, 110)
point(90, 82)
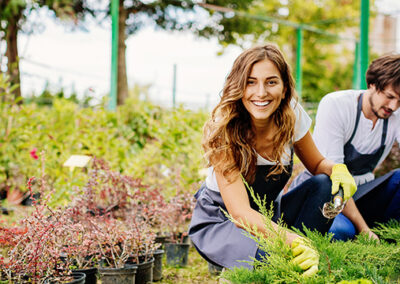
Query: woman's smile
point(261, 103)
point(264, 91)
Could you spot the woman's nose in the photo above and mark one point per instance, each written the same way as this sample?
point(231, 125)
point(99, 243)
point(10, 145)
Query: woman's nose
point(261, 90)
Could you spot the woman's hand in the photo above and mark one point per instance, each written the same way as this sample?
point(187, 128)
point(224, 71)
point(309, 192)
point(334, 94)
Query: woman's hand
point(305, 256)
point(341, 177)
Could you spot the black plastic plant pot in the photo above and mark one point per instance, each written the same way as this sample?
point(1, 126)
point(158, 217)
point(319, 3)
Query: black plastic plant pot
point(214, 269)
point(157, 269)
point(79, 278)
point(91, 274)
point(124, 275)
point(144, 272)
point(177, 254)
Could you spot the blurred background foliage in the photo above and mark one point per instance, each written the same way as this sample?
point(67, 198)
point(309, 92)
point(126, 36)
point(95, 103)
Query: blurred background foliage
point(327, 60)
point(160, 146)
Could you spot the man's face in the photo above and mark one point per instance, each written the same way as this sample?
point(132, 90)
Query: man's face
point(384, 103)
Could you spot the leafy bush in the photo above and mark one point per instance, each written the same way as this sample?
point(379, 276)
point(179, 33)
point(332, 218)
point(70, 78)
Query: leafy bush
point(359, 261)
point(139, 139)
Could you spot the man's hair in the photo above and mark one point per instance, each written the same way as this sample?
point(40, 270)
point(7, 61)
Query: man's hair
point(385, 71)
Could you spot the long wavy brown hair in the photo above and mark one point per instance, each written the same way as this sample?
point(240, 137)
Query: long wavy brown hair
point(229, 139)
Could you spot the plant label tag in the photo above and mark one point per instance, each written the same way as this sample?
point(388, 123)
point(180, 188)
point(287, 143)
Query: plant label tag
point(77, 161)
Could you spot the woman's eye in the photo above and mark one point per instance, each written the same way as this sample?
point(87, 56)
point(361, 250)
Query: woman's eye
point(272, 82)
point(250, 82)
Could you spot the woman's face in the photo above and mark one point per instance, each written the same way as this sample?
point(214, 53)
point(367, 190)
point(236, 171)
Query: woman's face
point(264, 91)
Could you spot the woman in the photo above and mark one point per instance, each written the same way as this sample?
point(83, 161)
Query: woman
point(252, 133)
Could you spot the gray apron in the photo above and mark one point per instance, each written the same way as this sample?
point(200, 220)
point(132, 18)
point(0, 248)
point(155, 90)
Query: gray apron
point(215, 237)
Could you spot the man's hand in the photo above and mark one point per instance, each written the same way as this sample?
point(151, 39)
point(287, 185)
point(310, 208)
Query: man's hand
point(370, 234)
point(305, 256)
point(341, 176)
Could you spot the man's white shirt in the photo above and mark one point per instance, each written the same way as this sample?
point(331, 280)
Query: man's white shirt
point(335, 122)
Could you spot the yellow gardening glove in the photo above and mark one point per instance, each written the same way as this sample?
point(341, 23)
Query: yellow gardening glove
point(305, 256)
point(341, 176)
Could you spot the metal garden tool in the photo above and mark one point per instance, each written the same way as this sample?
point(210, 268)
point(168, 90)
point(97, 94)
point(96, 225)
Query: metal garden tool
point(333, 208)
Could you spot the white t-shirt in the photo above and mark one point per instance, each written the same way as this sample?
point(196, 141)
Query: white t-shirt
point(335, 122)
point(302, 125)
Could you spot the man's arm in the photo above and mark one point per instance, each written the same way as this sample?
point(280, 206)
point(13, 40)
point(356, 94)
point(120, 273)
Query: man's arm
point(351, 211)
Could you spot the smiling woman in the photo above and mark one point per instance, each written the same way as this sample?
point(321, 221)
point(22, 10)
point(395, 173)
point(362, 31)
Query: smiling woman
point(250, 138)
point(264, 91)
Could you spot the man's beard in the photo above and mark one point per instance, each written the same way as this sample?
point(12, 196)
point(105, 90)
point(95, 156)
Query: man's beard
point(375, 112)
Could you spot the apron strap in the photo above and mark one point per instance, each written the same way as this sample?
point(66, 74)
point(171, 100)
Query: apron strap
point(359, 108)
point(359, 105)
point(384, 131)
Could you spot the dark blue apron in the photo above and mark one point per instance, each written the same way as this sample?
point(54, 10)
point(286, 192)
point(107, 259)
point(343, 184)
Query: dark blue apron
point(359, 164)
point(215, 237)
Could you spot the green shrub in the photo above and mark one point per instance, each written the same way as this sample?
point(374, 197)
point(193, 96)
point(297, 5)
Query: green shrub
point(139, 139)
point(360, 260)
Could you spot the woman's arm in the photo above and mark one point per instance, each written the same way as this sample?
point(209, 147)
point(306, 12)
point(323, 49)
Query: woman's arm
point(312, 159)
point(237, 203)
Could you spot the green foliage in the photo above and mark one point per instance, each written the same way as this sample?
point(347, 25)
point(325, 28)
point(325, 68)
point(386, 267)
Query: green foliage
point(327, 61)
point(359, 261)
point(182, 15)
point(389, 231)
point(354, 260)
point(139, 139)
point(174, 150)
point(46, 97)
point(195, 272)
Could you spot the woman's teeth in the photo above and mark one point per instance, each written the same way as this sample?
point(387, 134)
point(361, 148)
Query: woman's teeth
point(261, 103)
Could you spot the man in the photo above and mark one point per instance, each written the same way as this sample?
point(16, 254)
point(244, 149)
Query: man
point(358, 128)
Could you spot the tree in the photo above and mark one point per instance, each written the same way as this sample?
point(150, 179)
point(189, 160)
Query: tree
point(12, 18)
point(171, 15)
point(327, 61)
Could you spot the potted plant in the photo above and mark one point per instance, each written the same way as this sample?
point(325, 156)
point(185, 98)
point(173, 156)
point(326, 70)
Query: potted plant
point(178, 213)
point(115, 243)
point(142, 254)
point(148, 207)
point(128, 209)
point(82, 250)
point(149, 203)
point(108, 192)
point(35, 253)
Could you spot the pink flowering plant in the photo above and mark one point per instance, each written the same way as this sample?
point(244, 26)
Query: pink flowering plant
point(144, 240)
point(34, 154)
point(107, 191)
point(36, 253)
point(48, 243)
point(177, 214)
point(148, 205)
point(81, 250)
point(113, 240)
point(119, 211)
point(120, 241)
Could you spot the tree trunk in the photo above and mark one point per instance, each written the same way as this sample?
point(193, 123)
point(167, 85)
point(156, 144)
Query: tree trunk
point(122, 84)
point(12, 54)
